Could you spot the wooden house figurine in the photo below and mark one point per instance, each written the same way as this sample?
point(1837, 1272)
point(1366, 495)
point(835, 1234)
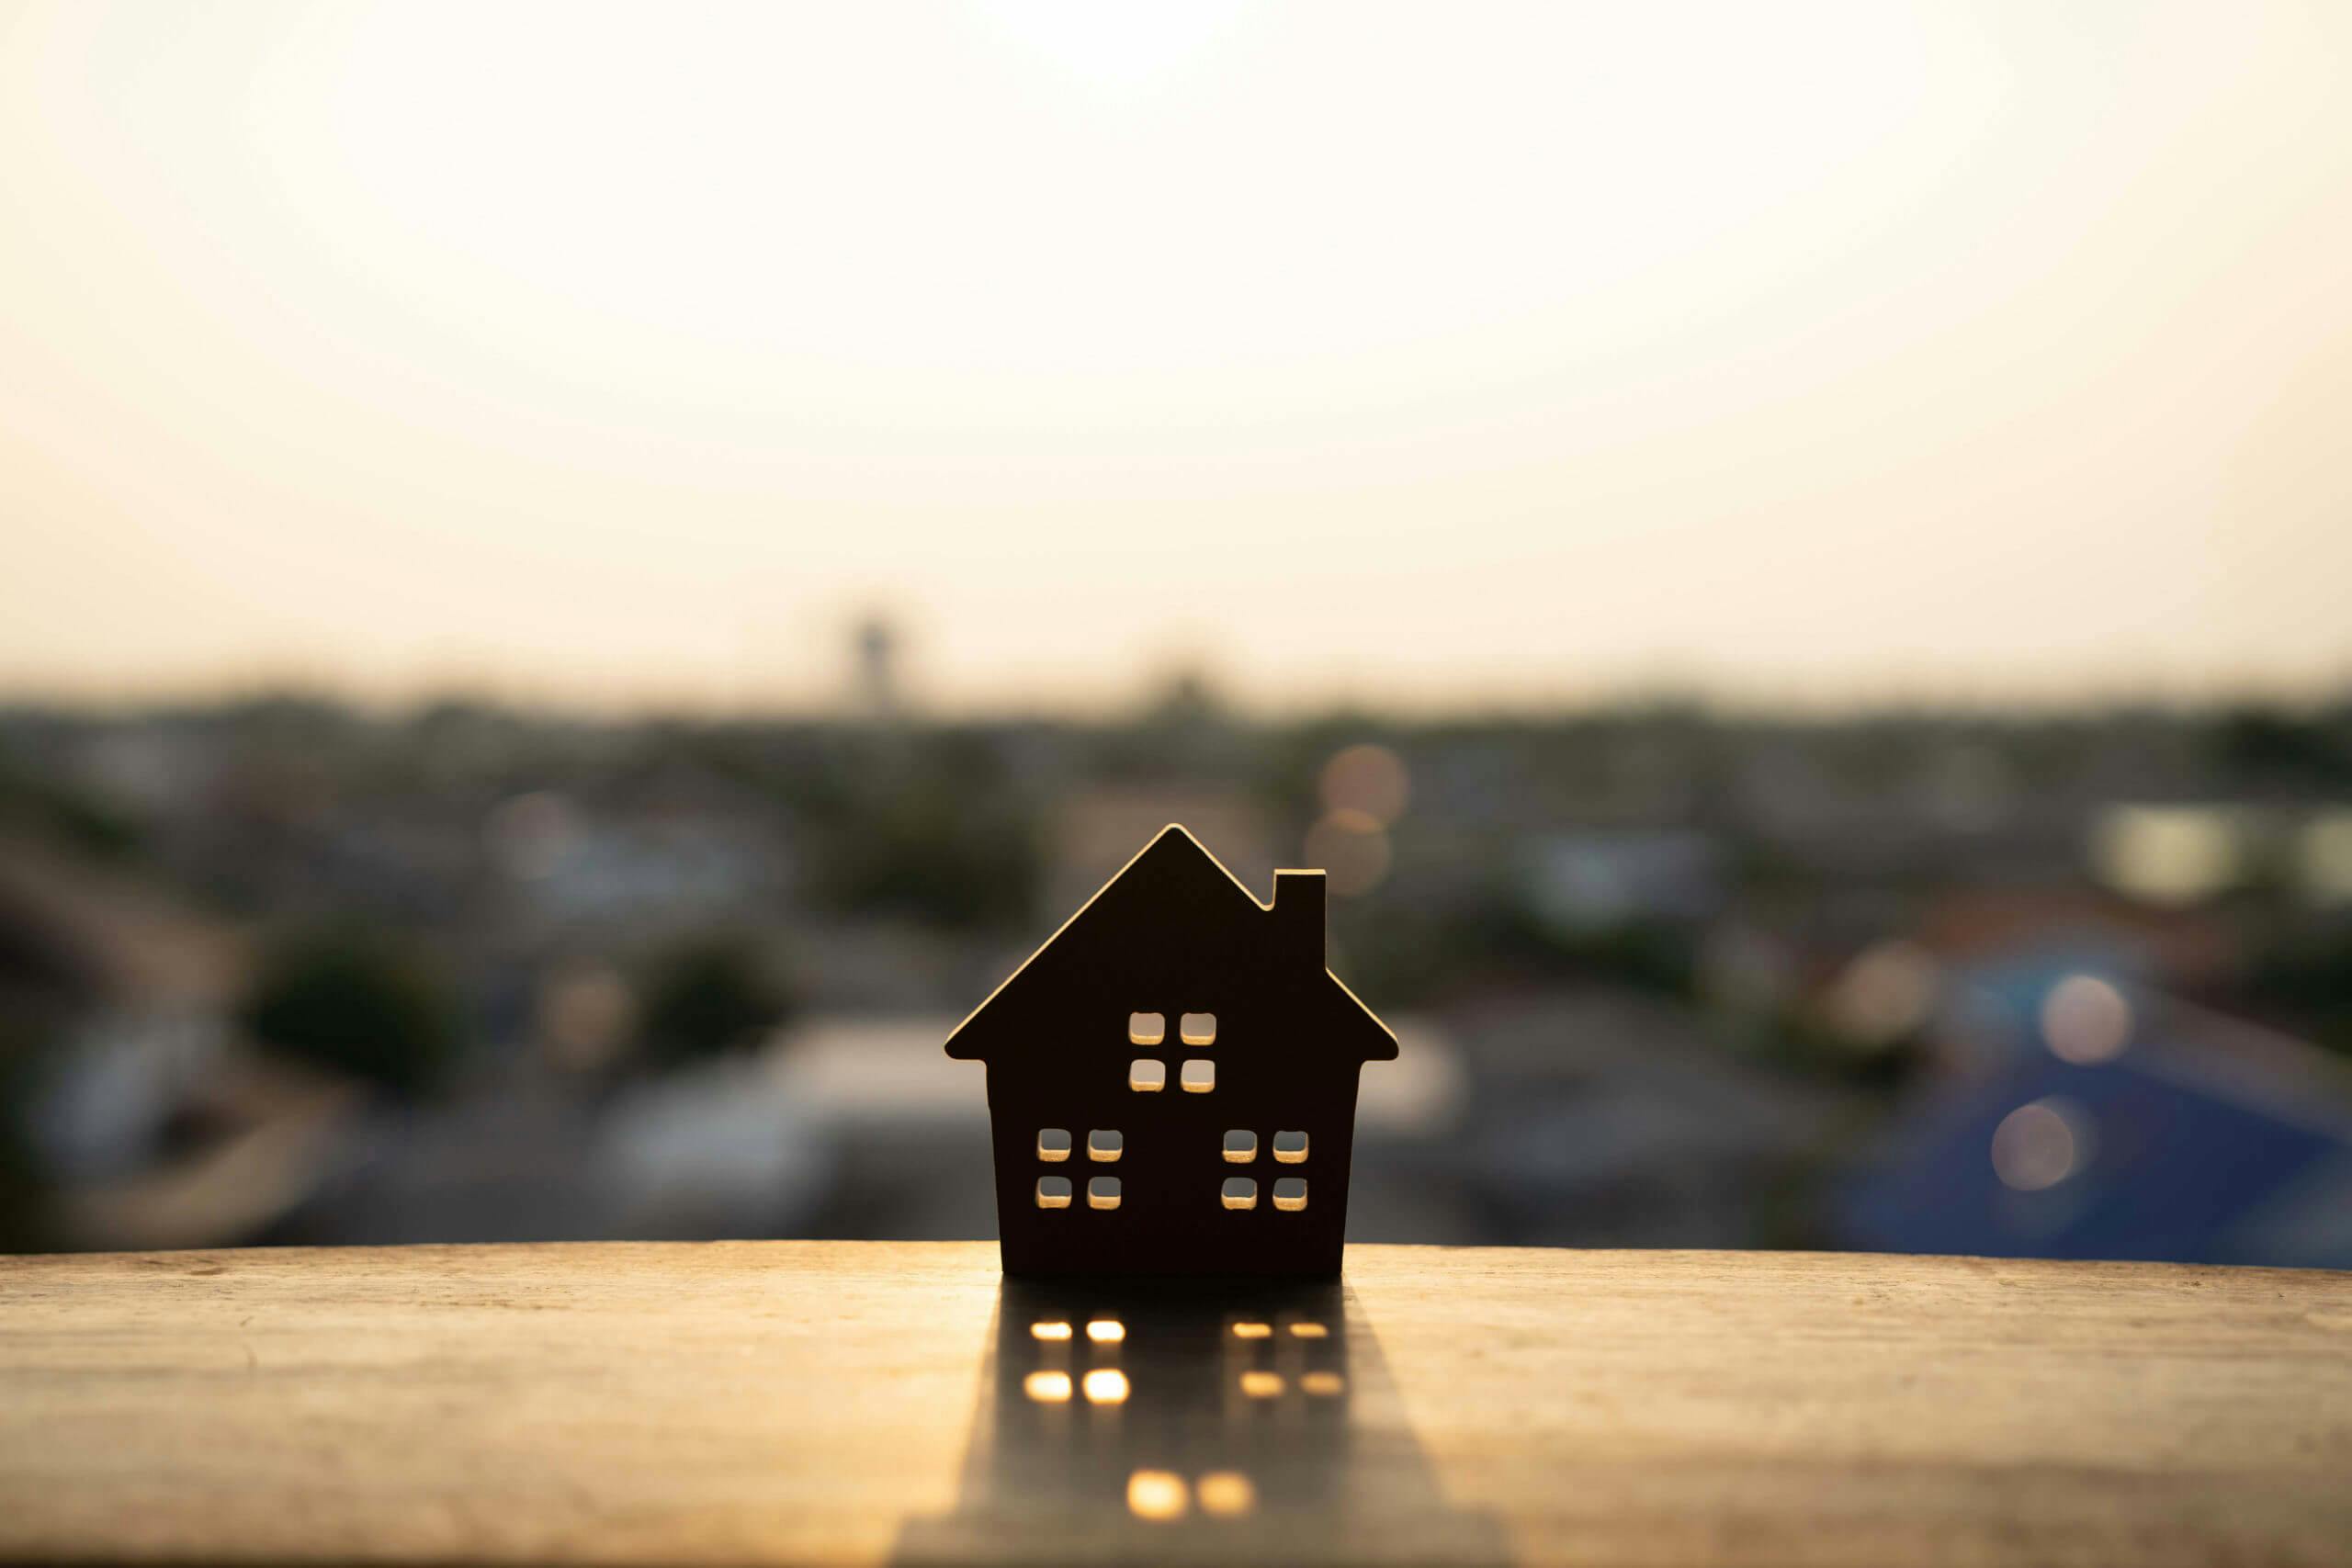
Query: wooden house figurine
point(1172, 1079)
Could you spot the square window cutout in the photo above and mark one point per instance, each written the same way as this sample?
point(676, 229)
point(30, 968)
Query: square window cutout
point(1197, 1028)
point(1240, 1146)
point(1105, 1145)
point(1199, 1077)
point(1145, 1076)
point(1290, 1147)
point(1053, 1192)
point(1053, 1143)
point(1147, 1028)
point(1241, 1193)
point(1102, 1192)
point(1290, 1194)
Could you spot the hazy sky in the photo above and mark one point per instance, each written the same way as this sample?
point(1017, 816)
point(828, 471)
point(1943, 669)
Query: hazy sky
point(617, 355)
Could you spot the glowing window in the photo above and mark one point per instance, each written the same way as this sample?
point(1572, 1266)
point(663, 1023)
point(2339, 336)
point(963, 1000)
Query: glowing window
point(1106, 1331)
point(1157, 1494)
point(1240, 1146)
point(1290, 1147)
point(1226, 1493)
point(1308, 1330)
point(1053, 1143)
point(1262, 1385)
point(1241, 1193)
point(1323, 1384)
point(1053, 1192)
point(1197, 1028)
point(1145, 1076)
point(1105, 1145)
point(1105, 1385)
point(1102, 1192)
point(1198, 1077)
point(1147, 1028)
point(1048, 1388)
point(1048, 1329)
point(1246, 1329)
point(1290, 1194)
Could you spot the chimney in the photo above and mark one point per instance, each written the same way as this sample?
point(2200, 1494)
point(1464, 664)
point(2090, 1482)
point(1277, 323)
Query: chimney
point(1298, 915)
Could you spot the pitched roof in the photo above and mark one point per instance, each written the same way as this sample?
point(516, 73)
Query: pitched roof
point(1170, 878)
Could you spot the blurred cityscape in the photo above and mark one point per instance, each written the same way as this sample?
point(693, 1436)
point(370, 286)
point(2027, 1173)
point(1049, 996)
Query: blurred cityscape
point(286, 971)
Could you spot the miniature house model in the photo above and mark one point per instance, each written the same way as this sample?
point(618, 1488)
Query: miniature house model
point(1171, 1080)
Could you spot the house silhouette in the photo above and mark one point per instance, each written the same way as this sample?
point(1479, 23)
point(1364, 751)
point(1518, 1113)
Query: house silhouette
point(1172, 1079)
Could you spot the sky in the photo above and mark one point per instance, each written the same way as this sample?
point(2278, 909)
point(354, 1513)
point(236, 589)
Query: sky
point(1404, 356)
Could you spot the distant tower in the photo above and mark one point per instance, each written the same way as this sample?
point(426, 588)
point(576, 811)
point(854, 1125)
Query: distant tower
point(874, 694)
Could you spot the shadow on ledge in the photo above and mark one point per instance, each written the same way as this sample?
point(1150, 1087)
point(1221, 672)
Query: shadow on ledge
point(1192, 1423)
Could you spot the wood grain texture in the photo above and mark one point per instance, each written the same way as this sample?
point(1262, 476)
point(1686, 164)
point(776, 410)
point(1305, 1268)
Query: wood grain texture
point(855, 1402)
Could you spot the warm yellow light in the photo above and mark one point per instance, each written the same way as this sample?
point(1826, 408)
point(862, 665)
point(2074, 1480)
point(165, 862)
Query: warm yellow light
point(1262, 1385)
point(1106, 1331)
point(1227, 1493)
point(1105, 1385)
point(1251, 1330)
point(1308, 1331)
point(1156, 1494)
point(1047, 1388)
point(1046, 1330)
point(1322, 1384)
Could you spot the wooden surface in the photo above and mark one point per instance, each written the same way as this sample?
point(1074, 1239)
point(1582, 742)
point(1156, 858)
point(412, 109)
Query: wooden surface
point(867, 1402)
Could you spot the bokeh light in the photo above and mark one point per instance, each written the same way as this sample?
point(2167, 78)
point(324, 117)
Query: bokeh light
point(1048, 1388)
point(1227, 1493)
point(1157, 1494)
point(2086, 1020)
point(1367, 779)
point(1887, 992)
point(2039, 1144)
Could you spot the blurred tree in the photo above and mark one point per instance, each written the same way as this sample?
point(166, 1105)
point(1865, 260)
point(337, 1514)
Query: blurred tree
point(356, 1002)
point(710, 996)
point(944, 835)
point(2272, 745)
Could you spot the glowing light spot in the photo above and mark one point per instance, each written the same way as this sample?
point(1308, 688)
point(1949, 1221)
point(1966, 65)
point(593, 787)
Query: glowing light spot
point(1323, 1385)
point(1047, 1388)
point(1145, 1076)
point(1145, 1028)
point(1198, 1077)
point(2325, 854)
point(2039, 1144)
point(1262, 1385)
point(1370, 780)
point(1227, 1493)
point(1308, 1331)
point(2169, 854)
point(1049, 1330)
point(1885, 993)
point(1105, 1385)
point(1157, 1494)
point(1251, 1330)
point(1106, 1331)
point(2086, 1020)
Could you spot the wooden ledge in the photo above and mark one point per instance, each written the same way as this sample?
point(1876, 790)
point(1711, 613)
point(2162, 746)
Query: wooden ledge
point(871, 1402)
